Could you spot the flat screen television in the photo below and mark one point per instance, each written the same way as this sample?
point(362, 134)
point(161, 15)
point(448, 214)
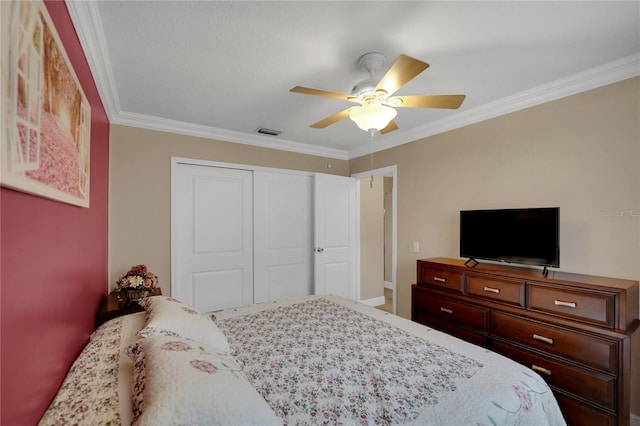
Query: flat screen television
point(526, 236)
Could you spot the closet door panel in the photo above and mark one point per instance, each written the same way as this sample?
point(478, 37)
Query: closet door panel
point(336, 236)
point(283, 231)
point(212, 211)
point(217, 289)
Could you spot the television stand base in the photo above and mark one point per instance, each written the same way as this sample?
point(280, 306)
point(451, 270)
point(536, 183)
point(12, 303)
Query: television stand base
point(472, 261)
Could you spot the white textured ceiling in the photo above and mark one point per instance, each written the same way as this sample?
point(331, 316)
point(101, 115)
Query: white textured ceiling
point(221, 69)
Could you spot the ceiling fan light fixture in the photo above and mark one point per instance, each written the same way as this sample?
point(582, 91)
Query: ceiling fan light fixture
point(372, 116)
point(376, 96)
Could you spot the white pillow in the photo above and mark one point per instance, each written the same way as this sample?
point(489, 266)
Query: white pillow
point(182, 382)
point(170, 317)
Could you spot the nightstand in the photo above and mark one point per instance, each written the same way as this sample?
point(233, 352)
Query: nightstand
point(112, 307)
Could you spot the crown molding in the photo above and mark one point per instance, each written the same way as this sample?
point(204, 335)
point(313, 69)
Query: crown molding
point(612, 72)
point(86, 19)
point(224, 135)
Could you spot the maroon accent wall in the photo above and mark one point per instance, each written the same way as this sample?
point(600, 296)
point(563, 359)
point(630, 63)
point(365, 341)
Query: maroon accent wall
point(53, 267)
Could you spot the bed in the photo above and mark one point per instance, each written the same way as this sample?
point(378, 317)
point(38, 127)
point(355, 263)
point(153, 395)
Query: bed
point(312, 360)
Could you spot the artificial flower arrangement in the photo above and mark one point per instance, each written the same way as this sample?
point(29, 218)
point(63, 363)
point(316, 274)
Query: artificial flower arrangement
point(137, 283)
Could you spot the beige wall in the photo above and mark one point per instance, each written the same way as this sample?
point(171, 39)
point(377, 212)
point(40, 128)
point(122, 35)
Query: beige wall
point(139, 190)
point(581, 153)
point(371, 238)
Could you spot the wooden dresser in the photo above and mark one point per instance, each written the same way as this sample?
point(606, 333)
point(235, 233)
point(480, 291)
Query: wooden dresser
point(574, 330)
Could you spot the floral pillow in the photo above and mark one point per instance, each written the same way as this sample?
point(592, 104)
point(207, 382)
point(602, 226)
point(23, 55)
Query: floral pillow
point(170, 317)
point(182, 382)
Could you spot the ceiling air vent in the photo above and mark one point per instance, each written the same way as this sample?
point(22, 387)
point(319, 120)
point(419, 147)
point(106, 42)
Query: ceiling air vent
point(269, 132)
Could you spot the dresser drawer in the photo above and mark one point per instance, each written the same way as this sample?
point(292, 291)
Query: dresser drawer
point(592, 351)
point(596, 387)
point(451, 280)
point(585, 306)
point(451, 311)
point(579, 413)
point(466, 334)
point(497, 289)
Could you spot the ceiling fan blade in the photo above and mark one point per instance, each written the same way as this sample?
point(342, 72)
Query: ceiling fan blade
point(331, 119)
point(390, 127)
point(431, 101)
point(317, 92)
point(401, 72)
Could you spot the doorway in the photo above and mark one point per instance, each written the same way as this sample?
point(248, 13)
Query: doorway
point(386, 178)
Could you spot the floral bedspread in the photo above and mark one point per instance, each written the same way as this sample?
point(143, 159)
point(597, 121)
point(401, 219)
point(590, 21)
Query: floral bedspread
point(328, 360)
point(320, 362)
point(88, 395)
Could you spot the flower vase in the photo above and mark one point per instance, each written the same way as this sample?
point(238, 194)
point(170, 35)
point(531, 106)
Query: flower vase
point(132, 296)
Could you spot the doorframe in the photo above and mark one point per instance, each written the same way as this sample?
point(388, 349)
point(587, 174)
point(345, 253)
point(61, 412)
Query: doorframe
point(389, 171)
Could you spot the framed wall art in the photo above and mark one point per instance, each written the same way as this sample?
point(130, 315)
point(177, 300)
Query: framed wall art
point(46, 118)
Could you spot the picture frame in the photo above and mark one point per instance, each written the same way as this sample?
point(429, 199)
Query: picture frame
point(46, 117)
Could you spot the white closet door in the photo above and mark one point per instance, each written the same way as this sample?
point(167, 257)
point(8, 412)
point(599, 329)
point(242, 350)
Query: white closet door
point(283, 236)
point(336, 236)
point(212, 243)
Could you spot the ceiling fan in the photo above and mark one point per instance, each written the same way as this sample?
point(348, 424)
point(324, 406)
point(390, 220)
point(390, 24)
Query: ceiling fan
point(377, 103)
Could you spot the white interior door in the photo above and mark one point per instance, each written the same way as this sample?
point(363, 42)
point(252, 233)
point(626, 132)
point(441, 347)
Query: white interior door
point(283, 236)
point(212, 210)
point(336, 269)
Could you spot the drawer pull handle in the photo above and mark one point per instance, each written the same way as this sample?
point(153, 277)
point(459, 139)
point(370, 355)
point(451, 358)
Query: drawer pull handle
point(543, 339)
point(442, 280)
point(567, 304)
point(492, 290)
point(445, 310)
point(541, 369)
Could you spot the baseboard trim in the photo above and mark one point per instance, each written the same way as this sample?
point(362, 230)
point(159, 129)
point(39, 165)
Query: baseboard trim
point(635, 420)
point(376, 301)
point(388, 284)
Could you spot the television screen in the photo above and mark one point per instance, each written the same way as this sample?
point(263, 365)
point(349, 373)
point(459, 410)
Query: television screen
point(527, 236)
